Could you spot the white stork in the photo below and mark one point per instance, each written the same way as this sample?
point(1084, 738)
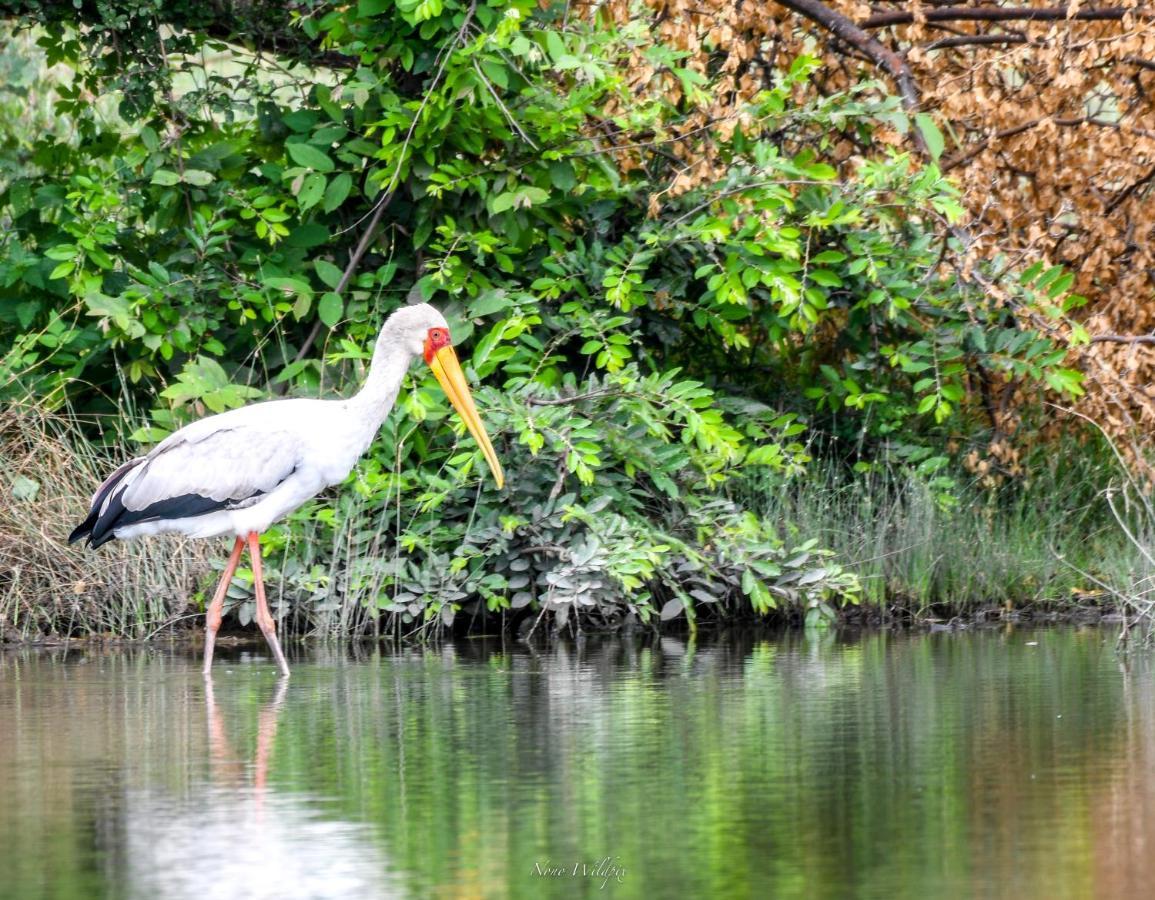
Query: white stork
point(240, 471)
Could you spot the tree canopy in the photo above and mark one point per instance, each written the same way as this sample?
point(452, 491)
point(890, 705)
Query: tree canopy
point(1042, 116)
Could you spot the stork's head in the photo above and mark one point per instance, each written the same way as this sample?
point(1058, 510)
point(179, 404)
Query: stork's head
point(423, 331)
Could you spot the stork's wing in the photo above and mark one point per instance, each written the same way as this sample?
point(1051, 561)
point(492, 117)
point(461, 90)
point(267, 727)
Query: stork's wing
point(192, 474)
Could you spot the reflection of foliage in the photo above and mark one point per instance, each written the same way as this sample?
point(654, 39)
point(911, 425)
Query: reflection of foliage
point(644, 334)
point(785, 768)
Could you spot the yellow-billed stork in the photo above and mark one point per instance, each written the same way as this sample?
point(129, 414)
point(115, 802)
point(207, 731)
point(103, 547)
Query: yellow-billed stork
point(240, 471)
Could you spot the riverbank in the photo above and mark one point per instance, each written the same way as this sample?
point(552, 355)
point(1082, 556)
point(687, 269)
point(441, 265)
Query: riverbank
point(1090, 610)
point(878, 547)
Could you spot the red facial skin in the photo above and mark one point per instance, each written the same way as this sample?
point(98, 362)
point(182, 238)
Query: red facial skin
point(434, 341)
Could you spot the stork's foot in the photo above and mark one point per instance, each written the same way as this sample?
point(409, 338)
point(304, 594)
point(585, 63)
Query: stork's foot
point(264, 617)
point(270, 633)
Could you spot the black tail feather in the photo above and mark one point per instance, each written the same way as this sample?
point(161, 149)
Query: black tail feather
point(86, 528)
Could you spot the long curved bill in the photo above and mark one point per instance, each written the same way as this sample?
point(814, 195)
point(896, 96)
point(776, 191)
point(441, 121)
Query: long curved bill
point(452, 380)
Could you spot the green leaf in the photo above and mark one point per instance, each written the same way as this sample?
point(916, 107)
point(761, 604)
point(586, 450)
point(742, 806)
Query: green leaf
point(330, 309)
point(25, 488)
point(328, 273)
point(1065, 381)
point(555, 45)
point(337, 191)
point(930, 134)
point(825, 277)
point(165, 177)
point(502, 202)
point(289, 285)
point(63, 269)
point(1061, 285)
point(489, 303)
point(311, 234)
point(197, 177)
point(1031, 273)
point(671, 609)
point(531, 196)
point(953, 392)
point(561, 174)
point(828, 256)
point(302, 306)
point(61, 252)
point(309, 156)
point(312, 189)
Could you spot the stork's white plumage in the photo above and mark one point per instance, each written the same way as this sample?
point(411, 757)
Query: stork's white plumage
point(240, 471)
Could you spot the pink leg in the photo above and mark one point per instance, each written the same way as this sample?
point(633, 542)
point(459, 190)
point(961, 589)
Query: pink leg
point(264, 617)
point(216, 607)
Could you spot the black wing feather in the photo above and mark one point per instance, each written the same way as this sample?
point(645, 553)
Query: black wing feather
point(100, 527)
point(109, 514)
point(185, 506)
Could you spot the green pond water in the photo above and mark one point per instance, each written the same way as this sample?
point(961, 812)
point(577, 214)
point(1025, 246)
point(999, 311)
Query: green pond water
point(990, 763)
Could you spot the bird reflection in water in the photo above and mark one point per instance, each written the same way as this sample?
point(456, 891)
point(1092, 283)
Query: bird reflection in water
point(227, 766)
point(235, 836)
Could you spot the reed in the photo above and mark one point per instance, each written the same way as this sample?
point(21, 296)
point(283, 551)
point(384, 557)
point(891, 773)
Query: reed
point(48, 588)
point(1049, 540)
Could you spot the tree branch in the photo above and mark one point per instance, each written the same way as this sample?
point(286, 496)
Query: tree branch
point(1072, 122)
point(354, 261)
point(1003, 14)
point(1130, 189)
point(1123, 339)
point(576, 398)
point(383, 202)
point(972, 152)
point(1141, 63)
point(846, 29)
point(977, 40)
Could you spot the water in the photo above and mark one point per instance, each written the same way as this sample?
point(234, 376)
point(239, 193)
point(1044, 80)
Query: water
point(995, 763)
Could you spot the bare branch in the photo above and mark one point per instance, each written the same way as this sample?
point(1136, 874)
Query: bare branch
point(1129, 190)
point(576, 398)
point(846, 29)
point(1123, 339)
point(504, 109)
point(968, 40)
point(1004, 14)
point(1147, 64)
point(1063, 122)
point(354, 261)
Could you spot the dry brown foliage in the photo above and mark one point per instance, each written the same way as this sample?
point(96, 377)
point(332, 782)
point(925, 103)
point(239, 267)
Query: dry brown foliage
point(1049, 116)
point(49, 588)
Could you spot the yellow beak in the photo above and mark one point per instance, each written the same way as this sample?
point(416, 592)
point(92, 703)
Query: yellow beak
point(452, 380)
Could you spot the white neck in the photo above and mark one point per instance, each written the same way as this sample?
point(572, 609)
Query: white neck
point(387, 370)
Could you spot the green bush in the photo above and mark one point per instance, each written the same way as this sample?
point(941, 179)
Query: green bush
point(204, 224)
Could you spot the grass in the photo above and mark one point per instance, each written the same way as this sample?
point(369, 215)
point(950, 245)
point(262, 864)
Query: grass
point(126, 590)
point(1049, 540)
